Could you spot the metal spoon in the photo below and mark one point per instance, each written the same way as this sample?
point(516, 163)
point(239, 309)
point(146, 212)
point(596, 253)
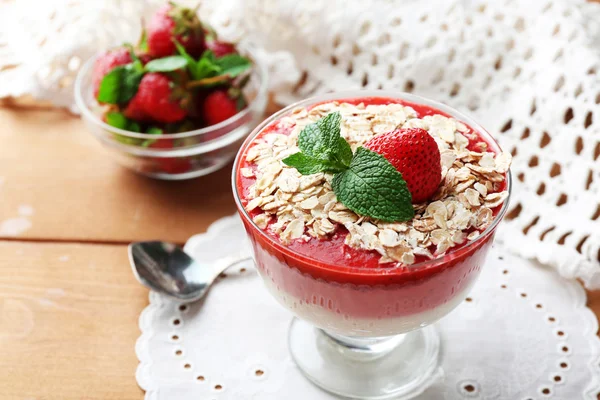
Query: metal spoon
point(167, 269)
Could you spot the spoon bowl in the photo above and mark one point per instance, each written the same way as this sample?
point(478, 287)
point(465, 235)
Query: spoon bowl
point(165, 268)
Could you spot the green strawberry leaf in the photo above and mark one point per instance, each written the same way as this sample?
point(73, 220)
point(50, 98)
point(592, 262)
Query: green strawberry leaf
point(132, 54)
point(167, 64)
point(233, 65)
point(371, 186)
point(120, 84)
point(137, 66)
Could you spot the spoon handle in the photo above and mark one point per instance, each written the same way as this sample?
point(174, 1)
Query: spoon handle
point(227, 262)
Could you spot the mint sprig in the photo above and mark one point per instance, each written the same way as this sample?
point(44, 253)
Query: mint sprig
point(118, 120)
point(153, 130)
point(166, 64)
point(365, 181)
point(210, 70)
point(233, 65)
point(121, 84)
point(322, 147)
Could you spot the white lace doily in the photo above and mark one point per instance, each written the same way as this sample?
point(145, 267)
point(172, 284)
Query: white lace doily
point(527, 70)
point(523, 333)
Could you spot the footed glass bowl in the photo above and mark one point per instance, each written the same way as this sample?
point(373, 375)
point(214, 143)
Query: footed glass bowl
point(182, 155)
point(361, 332)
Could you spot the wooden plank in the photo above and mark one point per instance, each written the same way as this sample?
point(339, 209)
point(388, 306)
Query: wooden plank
point(53, 169)
point(68, 322)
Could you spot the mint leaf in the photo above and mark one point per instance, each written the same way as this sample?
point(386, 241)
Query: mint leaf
point(153, 130)
point(210, 56)
point(167, 64)
point(109, 89)
point(306, 165)
point(240, 102)
point(120, 121)
point(204, 68)
point(181, 50)
point(371, 186)
point(233, 64)
point(137, 66)
point(323, 142)
point(120, 84)
point(131, 81)
point(365, 182)
point(134, 127)
point(117, 120)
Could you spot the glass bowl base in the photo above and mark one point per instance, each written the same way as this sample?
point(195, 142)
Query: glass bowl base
point(397, 367)
point(193, 173)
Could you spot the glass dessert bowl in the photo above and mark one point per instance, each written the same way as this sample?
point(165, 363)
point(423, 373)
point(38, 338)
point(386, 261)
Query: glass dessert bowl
point(366, 291)
point(175, 156)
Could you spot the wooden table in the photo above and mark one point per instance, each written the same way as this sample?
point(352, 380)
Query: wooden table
point(69, 304)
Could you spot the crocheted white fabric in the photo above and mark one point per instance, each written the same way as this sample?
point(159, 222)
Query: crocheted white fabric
point(527, 70)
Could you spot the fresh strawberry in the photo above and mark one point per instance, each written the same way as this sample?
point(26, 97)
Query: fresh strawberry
point(170, 165)
point(219, 48)
point(172, 22)
point(106, 62)
point(145, 58)
point(218, 106)
point(415, 154)
point(157, 99)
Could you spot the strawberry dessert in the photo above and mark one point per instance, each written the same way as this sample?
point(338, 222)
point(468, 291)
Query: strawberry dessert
point(370, 216)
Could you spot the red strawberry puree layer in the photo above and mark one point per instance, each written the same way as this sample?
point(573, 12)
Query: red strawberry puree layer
point(346, 290)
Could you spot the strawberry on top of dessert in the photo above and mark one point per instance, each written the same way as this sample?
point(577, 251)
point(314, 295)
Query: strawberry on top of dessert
point(397, 181)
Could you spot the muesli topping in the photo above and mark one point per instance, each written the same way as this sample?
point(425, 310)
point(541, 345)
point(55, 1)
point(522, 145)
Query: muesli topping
point(298, 207)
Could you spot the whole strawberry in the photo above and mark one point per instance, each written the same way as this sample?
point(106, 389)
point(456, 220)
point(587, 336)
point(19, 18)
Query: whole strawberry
point(106, 62)
point(218, 106)
point(172, 22)
point(415, 154)
point(170, 165)
point(157, 99)
point(220, 49)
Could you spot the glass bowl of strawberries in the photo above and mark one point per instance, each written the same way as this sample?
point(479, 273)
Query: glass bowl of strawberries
point(179, 103)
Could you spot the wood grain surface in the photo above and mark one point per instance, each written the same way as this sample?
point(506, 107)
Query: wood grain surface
point(69, 304)
point(68, 322)
point(49, 162)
